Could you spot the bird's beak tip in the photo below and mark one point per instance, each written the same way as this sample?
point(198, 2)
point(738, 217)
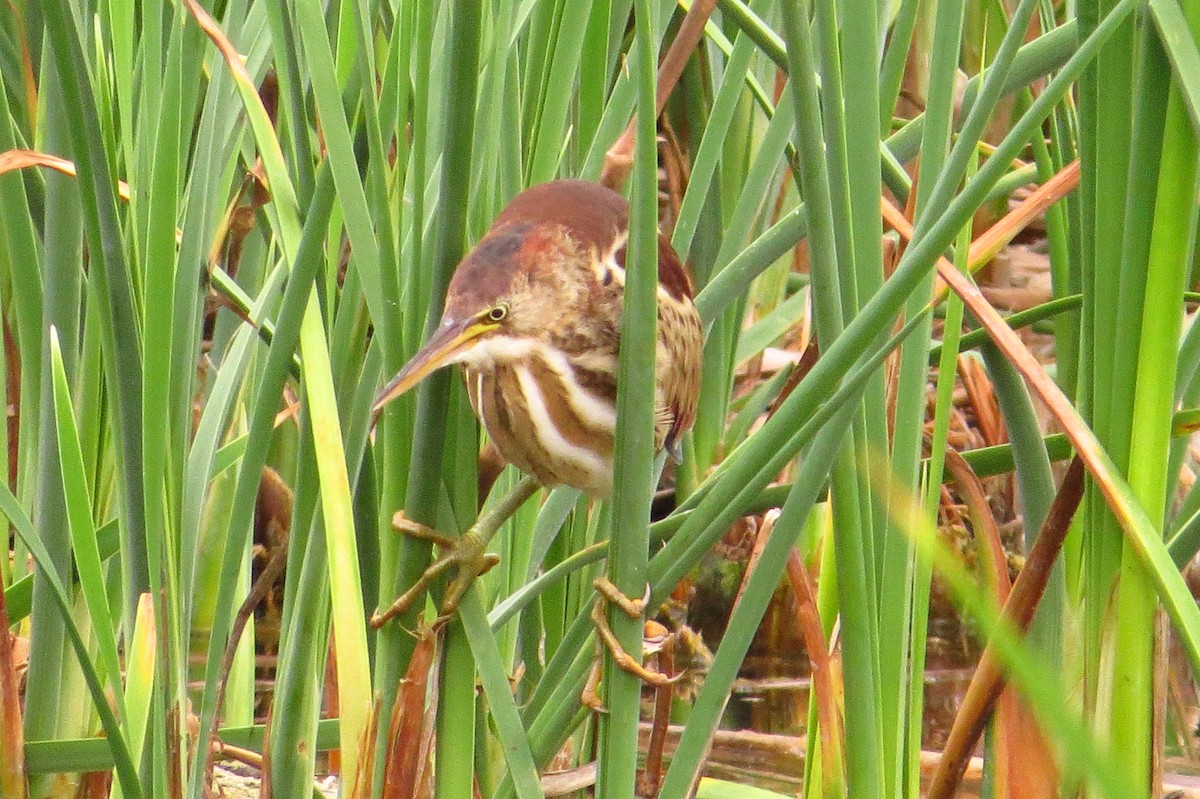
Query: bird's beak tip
point(394, 388)
point(426, 360)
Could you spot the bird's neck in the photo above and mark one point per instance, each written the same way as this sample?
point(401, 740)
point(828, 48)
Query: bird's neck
point(498, 350)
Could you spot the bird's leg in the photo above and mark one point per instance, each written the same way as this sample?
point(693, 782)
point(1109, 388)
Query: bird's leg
point(467, 553)
point(632, 608)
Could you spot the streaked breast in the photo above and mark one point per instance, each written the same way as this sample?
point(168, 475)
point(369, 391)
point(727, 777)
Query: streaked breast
point(548, 419)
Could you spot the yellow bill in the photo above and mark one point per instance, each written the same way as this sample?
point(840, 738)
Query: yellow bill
point(448, 341)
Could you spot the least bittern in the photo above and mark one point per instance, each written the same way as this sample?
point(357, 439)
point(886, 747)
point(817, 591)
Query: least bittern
point(533, 317)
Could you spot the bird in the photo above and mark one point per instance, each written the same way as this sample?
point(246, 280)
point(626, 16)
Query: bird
point(533, 316)
point(533, 319)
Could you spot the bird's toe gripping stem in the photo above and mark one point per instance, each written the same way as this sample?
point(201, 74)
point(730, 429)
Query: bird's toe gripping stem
point(466, 553)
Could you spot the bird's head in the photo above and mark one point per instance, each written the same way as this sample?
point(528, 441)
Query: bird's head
point(541, 263)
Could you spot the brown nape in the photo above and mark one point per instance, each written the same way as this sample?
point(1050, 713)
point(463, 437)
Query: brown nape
point(672, 274)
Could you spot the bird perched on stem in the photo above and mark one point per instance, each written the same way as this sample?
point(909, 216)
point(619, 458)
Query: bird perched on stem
point(533, 317)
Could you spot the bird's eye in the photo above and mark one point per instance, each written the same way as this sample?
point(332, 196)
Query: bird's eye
point(498, 313)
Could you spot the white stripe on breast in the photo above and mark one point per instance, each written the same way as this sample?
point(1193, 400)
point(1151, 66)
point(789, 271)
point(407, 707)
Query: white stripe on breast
point(597, 413)
point(492, 350)
point(547, 432)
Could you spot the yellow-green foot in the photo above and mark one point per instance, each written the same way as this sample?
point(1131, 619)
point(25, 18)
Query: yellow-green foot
point(467, 554)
